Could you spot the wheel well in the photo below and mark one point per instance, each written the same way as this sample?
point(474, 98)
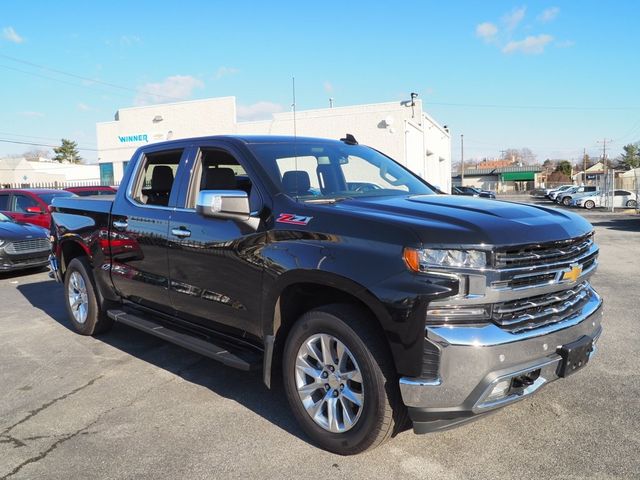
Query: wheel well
point(70, 250)
point(299, 298)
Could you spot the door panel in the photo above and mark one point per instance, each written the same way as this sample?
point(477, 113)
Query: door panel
point(216, 278)
point(139, 233)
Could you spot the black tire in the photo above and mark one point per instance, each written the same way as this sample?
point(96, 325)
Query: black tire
point(97, 320)
point(589, 204)
point(566, 201)
point(631, 203)
point(382, 410)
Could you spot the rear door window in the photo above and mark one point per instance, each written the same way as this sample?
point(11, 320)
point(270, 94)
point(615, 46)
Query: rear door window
point(4, 201)
point(155, 180)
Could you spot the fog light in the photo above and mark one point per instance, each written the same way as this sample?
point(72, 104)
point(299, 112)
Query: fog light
point(500, 390)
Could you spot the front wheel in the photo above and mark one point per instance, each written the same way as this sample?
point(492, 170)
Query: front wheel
point(85, 312)
point(631, 203)
point(589, 204)
point(340, 380)
point(566, 201)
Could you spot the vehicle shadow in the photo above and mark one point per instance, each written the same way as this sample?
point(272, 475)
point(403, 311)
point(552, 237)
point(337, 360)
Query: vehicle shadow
point(246, 388)
point(629, 224)
point(22, 273)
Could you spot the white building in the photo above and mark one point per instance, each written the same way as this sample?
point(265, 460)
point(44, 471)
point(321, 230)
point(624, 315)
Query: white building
point(22, 172)
point(399, 129)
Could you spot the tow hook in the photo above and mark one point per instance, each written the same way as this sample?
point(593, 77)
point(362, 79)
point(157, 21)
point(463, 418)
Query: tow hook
point(523, 381)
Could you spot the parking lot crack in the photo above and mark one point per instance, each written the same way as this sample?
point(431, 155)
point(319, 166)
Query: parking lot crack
point(81, 431)
point(15, 441)
point(48, 404)
point(53, 446)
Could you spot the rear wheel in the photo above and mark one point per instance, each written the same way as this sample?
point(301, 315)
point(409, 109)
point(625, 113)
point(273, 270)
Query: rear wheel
point(631, 203)
point(589, 204)
point(340, 380)
point(85, 312)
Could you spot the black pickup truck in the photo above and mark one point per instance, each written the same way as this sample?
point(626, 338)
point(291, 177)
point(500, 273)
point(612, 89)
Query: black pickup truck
point(378, 299)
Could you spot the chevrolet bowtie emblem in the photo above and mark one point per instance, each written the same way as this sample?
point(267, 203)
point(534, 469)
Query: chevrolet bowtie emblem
point(573, 274)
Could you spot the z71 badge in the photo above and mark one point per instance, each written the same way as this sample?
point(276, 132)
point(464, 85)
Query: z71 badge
point(293, 219)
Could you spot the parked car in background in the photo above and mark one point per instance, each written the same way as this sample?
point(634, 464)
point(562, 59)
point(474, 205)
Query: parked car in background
point(88, 191)
point(621, 198)
point(472, 192)
point(30, 205)
point(22, 245)
point(565, 197)
point(554, 193)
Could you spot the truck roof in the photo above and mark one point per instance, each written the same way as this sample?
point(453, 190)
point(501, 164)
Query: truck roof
point(248, 139)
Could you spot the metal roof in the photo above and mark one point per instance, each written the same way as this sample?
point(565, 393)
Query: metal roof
point(497, 171)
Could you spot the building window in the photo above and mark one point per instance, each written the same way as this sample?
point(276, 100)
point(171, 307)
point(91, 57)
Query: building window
point(106, 174)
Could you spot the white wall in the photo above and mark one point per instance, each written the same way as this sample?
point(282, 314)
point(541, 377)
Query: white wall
point(116, 139)
point(22, 171)
point(404, 133)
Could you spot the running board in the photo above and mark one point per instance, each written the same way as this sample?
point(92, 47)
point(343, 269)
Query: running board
point(190, 342)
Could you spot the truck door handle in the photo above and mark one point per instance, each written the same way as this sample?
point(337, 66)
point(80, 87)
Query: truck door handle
point(120, 225)
point(181, 232)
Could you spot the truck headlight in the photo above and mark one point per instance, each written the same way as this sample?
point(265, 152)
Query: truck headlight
point(420, 260)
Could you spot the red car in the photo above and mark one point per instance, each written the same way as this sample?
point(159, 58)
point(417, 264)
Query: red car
point(30, 205)
point(86, 191)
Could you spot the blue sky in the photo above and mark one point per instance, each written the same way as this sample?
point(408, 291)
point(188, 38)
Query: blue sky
point(555, 76)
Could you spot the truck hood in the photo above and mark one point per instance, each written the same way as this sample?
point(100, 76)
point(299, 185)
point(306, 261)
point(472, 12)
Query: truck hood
point(10, 231)
point(460, 220)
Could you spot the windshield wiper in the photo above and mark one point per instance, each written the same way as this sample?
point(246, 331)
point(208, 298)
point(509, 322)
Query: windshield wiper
point(328, 200)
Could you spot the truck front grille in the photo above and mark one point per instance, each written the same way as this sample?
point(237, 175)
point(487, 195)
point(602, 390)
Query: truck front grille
point(20, 247)
point(540, 310)
point(544, 254)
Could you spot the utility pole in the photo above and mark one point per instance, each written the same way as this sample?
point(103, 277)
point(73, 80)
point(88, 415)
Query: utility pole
point(461, 159)
point(584, 166)
point(608, 183)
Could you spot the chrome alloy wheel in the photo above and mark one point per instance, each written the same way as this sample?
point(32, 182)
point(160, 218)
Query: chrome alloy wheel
point(78, 300)
point(329, 383)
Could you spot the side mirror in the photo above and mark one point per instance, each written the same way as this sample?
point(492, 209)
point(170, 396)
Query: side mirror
point(232, 204)
point(33, 210)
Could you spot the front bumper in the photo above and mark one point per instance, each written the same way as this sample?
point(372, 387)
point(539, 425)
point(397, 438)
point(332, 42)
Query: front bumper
point(474, 360)
point(9, 263)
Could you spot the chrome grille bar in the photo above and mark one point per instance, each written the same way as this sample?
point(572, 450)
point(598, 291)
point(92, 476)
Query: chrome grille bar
point(533, 255)
point(542, 310)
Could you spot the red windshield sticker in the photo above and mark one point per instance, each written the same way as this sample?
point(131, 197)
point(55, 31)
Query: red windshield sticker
point(293, 219)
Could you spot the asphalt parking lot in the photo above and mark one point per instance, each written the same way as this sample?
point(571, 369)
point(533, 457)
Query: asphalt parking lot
point(126, 405)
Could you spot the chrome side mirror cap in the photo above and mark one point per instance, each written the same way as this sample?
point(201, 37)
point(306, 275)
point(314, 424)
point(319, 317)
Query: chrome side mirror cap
point(231, 204)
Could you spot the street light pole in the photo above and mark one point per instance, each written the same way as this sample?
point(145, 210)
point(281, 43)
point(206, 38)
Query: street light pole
point(461, 159)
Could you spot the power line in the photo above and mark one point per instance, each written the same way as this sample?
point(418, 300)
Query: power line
point(34, 74)
point(531, 107)
point(92, 80)
point(30, 136)
point(3, 140)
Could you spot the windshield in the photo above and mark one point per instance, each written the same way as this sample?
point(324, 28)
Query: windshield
point(329, 171)
point(48, 197)
point(4, 218)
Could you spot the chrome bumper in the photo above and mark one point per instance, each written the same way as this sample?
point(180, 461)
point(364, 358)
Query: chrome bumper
point(473, 360)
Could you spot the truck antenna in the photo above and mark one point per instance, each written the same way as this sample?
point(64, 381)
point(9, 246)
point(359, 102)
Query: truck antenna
point(293, 105)
point(295, 130)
